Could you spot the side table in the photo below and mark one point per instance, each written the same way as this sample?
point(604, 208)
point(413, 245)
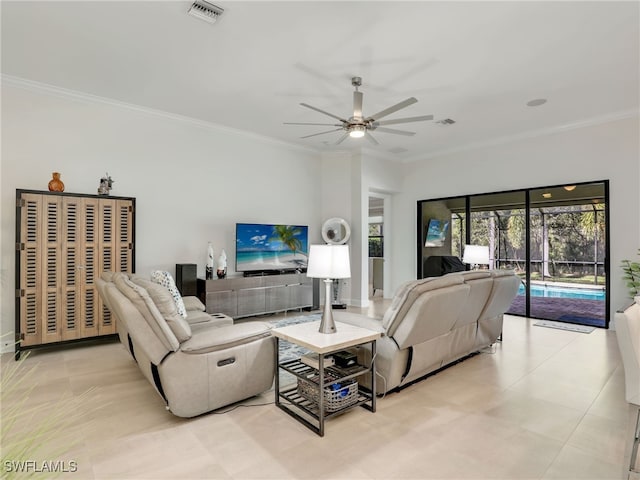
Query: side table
point(312, 410)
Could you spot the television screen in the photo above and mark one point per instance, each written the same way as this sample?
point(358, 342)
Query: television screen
point(263, 247)
point(436, 233)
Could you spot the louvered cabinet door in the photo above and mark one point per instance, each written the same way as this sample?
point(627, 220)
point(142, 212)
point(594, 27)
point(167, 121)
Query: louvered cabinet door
point(106, 260)
point(30, 278)
point(51, 253)
point(71, 267)
point(124, 246)
point(89, 311)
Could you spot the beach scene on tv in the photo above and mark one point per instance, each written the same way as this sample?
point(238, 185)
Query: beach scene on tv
point(271, 247)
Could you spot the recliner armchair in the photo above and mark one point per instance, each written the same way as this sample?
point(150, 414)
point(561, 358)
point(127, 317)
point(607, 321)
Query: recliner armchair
point(197, 364)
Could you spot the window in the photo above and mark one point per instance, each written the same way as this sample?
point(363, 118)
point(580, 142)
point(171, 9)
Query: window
point(376, 240)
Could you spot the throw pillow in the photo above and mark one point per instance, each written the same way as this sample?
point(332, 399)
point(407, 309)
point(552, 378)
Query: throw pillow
point(166, 280)
point(166, 306)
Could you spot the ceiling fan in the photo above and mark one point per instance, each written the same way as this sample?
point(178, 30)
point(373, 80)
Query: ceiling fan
point(359, 126)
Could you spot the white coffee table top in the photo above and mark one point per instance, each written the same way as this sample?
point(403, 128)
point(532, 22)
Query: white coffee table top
point(308, 336)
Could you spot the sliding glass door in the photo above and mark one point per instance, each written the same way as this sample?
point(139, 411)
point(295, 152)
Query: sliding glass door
point(568, 245)
point(555, 238)
point(498, 220)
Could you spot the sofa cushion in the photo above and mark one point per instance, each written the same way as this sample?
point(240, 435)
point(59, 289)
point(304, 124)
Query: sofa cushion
point(107, 276)
point(409, 292)
point(167, 307)
point(166, 280)
point(193, 303)
point(221, 338)
point(145, 305)
point(474, 274)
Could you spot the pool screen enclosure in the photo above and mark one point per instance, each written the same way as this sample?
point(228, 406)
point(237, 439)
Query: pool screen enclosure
point(556, 238)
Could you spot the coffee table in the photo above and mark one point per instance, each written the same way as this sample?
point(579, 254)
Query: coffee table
point(323, 392)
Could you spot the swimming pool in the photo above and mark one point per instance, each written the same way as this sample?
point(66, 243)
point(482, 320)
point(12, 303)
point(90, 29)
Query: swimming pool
point(564, 292)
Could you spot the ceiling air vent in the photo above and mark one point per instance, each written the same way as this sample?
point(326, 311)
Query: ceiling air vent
point(205, 11)
point(446, 121)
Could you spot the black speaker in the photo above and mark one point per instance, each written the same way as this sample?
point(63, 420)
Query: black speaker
point(186, 279)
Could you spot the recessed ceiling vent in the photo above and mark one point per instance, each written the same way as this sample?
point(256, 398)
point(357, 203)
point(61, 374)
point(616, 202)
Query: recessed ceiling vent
point(446, 121)
point(205, 11)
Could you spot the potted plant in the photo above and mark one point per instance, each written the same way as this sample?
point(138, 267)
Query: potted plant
point(632, 276)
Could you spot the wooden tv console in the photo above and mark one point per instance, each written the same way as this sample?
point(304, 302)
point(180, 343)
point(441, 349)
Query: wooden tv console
point(247, 296)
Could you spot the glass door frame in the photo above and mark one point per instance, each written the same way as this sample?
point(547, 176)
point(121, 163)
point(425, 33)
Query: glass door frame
point(527, 206)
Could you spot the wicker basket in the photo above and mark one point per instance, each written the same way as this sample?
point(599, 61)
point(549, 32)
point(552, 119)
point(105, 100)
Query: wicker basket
point(336, 396)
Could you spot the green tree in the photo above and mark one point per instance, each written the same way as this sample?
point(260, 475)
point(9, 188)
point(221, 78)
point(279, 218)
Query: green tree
point(288, 235)
point(515, 229)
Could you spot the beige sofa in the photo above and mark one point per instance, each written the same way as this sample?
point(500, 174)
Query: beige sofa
point(434, 322)
point(196, 364)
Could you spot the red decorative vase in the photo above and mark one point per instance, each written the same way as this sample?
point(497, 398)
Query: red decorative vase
point(56, 185)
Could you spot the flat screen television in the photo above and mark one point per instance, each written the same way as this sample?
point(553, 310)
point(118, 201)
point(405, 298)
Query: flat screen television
point(271, 248)
point(436, 233)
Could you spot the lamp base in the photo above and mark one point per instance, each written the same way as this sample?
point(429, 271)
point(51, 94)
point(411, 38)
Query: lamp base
point(327, 325)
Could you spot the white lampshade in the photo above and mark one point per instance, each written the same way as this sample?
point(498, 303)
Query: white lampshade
point(329, 261)
point(476, 255)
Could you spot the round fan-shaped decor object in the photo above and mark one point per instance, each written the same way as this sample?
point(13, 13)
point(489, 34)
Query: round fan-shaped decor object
point(336, 231)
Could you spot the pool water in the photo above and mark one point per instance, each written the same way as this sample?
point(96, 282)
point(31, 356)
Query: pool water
point(564, 292)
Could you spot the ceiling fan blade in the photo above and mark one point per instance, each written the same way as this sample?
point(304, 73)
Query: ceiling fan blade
point(321, 133)
point(322, 111)
point(371, 138)
point(357, 104)
point(395, 121)
point(321, 124)
point(397, 132)
point(394, 108)
point(342, 138)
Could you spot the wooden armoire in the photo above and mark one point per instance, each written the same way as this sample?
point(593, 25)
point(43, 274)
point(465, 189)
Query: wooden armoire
point(63, 243)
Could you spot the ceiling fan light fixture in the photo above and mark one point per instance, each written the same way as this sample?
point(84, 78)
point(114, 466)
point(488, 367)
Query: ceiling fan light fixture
point(357, 131)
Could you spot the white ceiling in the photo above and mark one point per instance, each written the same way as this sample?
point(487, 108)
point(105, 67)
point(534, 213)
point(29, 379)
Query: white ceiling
point(478, 63)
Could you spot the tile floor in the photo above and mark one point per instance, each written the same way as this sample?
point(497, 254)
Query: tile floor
point(547, 404)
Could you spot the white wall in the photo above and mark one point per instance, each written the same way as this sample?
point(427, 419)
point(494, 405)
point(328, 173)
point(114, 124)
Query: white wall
point(347, 181)
point(383, 178)
point(192, 182)
point(599, 152)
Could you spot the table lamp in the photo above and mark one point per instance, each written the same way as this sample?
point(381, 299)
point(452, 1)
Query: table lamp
point(476, 255)
point(328, 262)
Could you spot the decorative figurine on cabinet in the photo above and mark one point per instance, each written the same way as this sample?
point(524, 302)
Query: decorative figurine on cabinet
point(105, 185)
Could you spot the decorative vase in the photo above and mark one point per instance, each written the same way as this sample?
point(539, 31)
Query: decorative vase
point(222, 265)
point(209, 267)
point(55, 184)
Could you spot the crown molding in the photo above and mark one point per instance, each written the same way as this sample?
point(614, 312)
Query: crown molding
point(589, 122)
point(38, 87)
